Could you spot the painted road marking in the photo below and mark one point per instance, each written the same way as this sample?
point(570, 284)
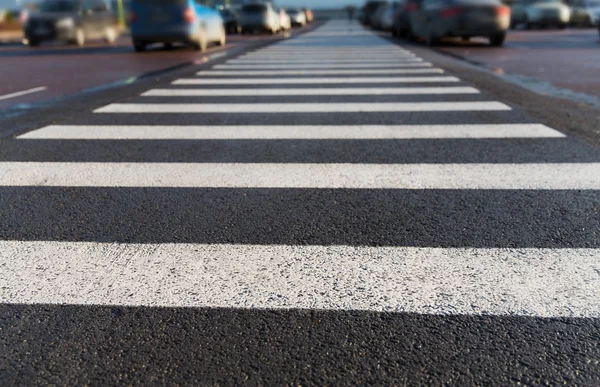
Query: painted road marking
point(274, 108)
point(365, 61)
point(318, 72)
point(531, 176)
point(366, 132)
point(318, 66)
point(472, 281)
point(21, 93)
point(310, 91)
point(340, 80)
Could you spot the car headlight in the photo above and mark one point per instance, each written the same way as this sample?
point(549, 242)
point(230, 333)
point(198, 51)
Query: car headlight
point(65, 23)
point(565, 13)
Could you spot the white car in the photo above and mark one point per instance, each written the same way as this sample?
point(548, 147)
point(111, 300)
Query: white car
point(540, 13)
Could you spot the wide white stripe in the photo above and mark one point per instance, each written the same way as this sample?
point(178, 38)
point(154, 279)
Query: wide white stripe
point(317, 72)
point(528, 282)
point(365, 61)
point(340, 80)
point(366, 132)
point(323, 56)
point(317, 66)
point(309, 91)
point(352, 176)
point(272, 108)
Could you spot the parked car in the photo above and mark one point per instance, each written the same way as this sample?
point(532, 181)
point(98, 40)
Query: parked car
point(298, 17)
point(259, 17)
point(540, 13)
point(310, 16)
point(175, 21)
point(585, 13)
point(462, 18)
point(368, 11)
point(377, 15)
point(71, 21)
point(403, 19)
point(231, 21)
point(285, 22)
point(386, 20)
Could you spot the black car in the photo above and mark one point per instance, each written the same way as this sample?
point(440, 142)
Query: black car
point(231, 21)
point(368, 11)
point(71, 21)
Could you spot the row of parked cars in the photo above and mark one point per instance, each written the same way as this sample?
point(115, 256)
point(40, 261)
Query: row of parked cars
point(433, 20)
point(156, 21)
point(252, 18)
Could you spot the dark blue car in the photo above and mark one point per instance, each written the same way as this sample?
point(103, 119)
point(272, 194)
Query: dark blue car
point(174, 21)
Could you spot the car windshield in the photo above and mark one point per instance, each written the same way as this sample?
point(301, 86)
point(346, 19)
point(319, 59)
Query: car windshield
point(59, 6)
point(254, 8)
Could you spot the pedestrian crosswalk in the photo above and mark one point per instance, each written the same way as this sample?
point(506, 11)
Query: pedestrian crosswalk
point(509, 230)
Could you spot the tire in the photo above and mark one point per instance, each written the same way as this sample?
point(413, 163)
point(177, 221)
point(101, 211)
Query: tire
point(562, 26)
point(110, 35)
point(430, 40)
point(33, 43)
point(139, 46)
point(168, 46)
point(497, 40)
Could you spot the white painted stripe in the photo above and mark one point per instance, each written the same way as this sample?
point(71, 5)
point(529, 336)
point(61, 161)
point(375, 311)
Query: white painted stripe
point(315, 80)
point(309, 91)
point(317, 72)
point(450, 281)
point(352, 176)
point(365, 61)
point(253, 66)
point(366, 132)
point(21, 93)
point(272, 108)
point(323, 56)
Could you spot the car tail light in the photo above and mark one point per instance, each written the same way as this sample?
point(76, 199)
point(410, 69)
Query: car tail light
point(450, 12)
point(411, 7)
point(189, 15)
point(503, 11)
point(131, 17)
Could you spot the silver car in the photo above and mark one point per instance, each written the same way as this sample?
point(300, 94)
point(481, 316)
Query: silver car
point(437, 19)
point(259, 17)
point(540, 13)
point(585, 13)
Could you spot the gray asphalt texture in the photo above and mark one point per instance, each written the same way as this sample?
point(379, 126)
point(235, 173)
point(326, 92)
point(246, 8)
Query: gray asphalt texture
point(111, 345)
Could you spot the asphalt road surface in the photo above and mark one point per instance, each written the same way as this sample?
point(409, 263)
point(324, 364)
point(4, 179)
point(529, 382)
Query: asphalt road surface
point(568, 59)
point(291, 215)
point(32, 75)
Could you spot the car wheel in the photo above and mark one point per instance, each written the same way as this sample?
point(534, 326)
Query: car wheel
point(139, 46)
point(110, 35)
point(33, 43)
point(168, 46)
point(497, 40)
point(430, 40)
point(562, 26)
point(201, 44)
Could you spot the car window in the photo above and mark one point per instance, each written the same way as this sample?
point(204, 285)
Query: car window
point(254, 8)
point(59, 6)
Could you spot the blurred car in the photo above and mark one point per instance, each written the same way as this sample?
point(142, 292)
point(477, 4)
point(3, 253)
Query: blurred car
point(298, 17)
point(386, 20)
point(461, 18)
point(259, 17)
point(231, 21)
point(71, 21)
point(175, 21)
point(585, 12)
point(542, 13)
point(310, 16)
point(368, 11)
point(377, 16)
point(403, 19)
point(285, 22)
